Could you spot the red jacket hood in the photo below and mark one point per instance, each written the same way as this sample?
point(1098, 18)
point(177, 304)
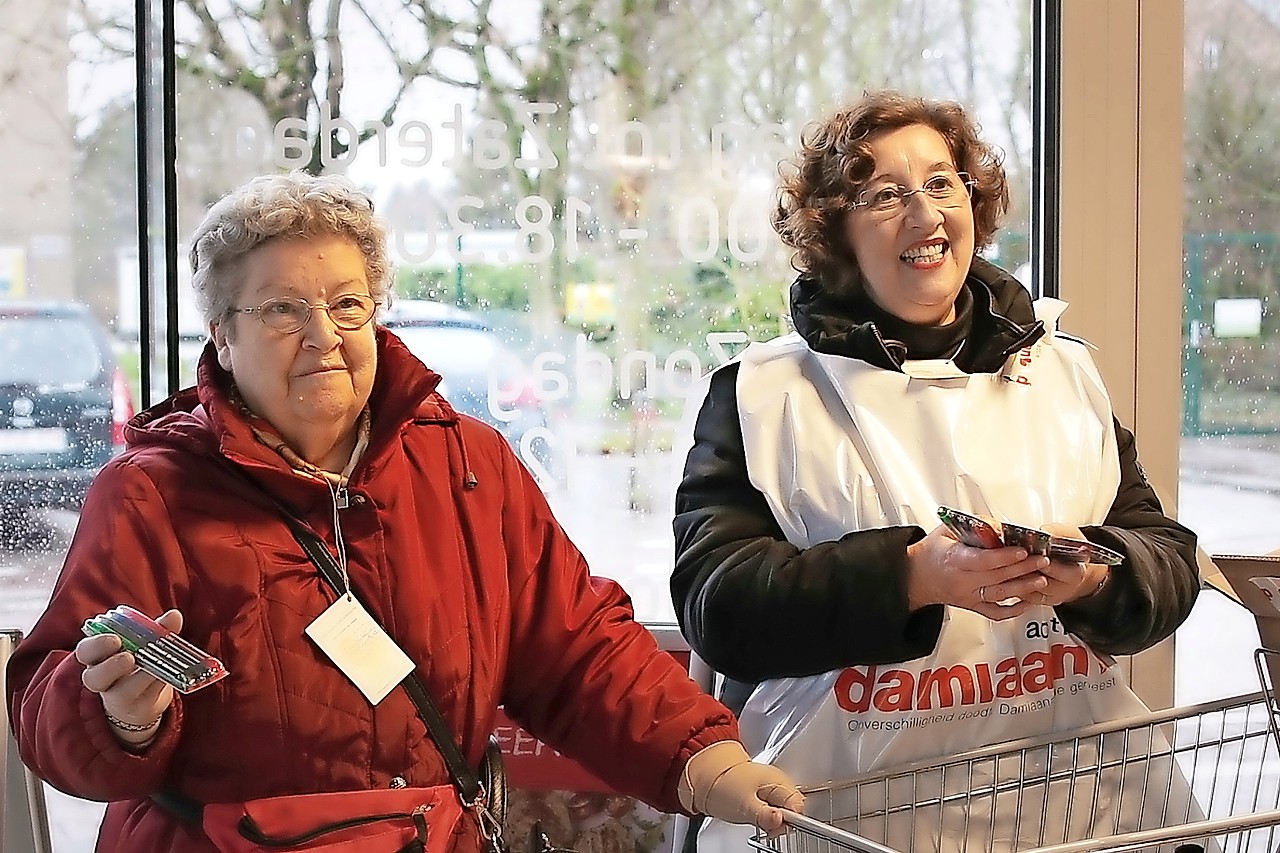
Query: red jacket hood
point(403, 391)
point(204, 420)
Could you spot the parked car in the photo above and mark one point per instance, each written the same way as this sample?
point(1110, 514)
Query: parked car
point(480, 375)
point(63, 403)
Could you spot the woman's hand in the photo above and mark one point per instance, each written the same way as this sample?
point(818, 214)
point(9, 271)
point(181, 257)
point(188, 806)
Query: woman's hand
point(1071, 581)
point(941, 570)
point(134, 701)
point(722, 781)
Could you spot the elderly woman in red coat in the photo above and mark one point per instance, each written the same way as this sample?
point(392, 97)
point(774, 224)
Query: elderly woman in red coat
point(304, 406)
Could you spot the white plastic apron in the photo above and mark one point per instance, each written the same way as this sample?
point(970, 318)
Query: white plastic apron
point(837, 445)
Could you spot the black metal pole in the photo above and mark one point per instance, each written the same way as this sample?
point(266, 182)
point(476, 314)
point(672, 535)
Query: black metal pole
point(142, 53)
point(169, 132)
point(1046, 132)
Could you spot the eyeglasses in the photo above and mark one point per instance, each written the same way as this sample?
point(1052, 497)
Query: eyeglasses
point(951, 189)
point(290, 314)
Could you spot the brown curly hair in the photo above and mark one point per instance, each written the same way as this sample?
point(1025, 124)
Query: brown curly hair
point(819, 185)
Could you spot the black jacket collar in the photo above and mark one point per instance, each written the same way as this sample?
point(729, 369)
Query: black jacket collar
point(841, 321)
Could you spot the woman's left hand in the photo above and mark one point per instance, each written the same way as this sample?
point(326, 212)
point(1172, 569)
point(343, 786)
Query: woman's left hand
point(722, 781)
point(1070, 581)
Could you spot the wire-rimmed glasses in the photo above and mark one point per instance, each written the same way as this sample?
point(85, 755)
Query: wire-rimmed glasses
point(949, 189)
point(291, 314)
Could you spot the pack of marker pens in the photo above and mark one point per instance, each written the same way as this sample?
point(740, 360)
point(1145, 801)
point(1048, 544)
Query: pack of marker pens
point(159, 651)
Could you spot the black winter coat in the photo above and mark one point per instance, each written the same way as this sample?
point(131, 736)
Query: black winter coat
point(754, 606)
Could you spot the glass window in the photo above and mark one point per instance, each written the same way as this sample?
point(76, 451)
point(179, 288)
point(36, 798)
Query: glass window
point(579, 201)
point(1230, 448)
point(68, 364)
point(1231, 411)
point(68, 369)
point(604, 219)
point(590, 195)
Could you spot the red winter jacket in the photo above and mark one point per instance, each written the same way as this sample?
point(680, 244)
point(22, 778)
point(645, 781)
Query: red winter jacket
point(479, 586)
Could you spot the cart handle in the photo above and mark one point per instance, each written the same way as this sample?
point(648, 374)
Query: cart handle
point(830, 833)
point(1112, 844)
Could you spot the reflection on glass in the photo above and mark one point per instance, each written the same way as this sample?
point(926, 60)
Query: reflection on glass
point(595, 191)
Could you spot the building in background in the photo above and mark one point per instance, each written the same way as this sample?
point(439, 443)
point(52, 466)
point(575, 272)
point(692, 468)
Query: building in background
point(37, 151)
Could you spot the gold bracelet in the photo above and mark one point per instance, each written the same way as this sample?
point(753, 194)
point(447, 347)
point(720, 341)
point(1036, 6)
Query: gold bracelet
point(133, 727)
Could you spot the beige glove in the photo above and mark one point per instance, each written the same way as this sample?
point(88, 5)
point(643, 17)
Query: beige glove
point(723, 782)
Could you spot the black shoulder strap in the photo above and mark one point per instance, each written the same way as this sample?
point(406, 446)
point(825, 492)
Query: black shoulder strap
point(189, 811)
point(469, 786)
point(466, 780)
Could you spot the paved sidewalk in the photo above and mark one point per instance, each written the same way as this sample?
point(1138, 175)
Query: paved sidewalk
point(1230, 493)
point(1247, 462)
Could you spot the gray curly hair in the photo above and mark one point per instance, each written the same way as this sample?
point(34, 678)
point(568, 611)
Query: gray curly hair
point(281, 206)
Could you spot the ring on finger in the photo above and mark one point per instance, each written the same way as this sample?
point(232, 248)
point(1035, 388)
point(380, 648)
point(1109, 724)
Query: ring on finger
point(982, 594)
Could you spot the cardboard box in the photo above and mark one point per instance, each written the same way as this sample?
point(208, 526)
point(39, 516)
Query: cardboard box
point(1254, 581)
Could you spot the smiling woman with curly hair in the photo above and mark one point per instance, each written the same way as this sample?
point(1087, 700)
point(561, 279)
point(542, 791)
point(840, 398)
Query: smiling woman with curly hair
point(821, 183)
point(810, 565)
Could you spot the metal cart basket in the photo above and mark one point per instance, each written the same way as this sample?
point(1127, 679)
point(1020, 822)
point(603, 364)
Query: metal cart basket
point(1203, 777)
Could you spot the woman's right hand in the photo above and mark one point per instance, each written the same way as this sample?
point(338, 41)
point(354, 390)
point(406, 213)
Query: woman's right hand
point(941, 570)
point(130, 697)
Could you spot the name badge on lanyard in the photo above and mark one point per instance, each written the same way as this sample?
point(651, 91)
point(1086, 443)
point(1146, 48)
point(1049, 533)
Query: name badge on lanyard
point(356, 643)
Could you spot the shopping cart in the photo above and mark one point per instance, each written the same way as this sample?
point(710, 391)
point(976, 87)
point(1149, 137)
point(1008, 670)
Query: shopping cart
point(1202, 777)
